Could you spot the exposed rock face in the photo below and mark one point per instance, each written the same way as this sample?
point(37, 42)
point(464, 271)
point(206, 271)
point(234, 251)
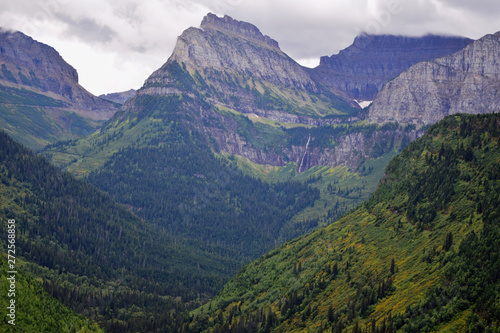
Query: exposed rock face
point(351, 149)
point(29, 64)
point(234, 65)
point(231, 65)
point(224, 44)
point(467, 81)
point(363, 68)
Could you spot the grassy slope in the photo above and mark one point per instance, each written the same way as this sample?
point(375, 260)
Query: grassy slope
point(36, 120)
point(408, 220)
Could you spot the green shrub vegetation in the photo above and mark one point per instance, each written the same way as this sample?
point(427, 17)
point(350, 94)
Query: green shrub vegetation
point(36, 120)
point(420, 255)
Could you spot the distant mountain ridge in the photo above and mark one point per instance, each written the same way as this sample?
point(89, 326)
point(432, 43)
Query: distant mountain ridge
point(119, 97)
point(467, 81)
point(363, 68)
point(26, 62)
point(41, 101)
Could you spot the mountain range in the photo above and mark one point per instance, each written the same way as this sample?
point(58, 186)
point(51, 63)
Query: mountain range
point(466, 81)
point(362, 69)
point(232, 148)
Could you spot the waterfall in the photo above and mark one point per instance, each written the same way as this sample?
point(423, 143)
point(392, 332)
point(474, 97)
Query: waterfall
point(305, 152)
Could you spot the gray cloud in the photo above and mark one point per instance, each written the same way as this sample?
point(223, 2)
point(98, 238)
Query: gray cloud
point(132, 38)
point(87, 29)
point(482, 7)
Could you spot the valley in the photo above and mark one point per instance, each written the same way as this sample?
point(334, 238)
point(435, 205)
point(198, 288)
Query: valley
point(238, 191)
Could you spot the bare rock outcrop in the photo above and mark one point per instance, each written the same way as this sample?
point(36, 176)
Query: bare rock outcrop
point(27, 63)
point(363, 68)
point(467, 81)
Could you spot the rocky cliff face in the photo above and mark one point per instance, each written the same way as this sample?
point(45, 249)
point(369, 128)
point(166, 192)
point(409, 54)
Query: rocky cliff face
point(232, 64)
point(467, 81)
point(225, 44)
point(236, 70)
point(363, 68)
point(26, 63)
point(351, 150)
point(308, 148)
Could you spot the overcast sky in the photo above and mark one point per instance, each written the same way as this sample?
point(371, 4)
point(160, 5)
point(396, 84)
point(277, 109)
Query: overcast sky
point(116, 44)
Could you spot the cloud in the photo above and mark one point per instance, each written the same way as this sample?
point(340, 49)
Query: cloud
point(128, 39)
point(482, 7)
point(88, 30)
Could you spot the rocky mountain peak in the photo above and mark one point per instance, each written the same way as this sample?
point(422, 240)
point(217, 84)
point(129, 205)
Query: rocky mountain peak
point(224, 43)
point(242, 29)
point(467, 81)
point(225, 46)
point(363, 68)
point(28, 64)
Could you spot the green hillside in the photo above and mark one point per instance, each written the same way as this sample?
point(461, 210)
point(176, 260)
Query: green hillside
point(95, 256)
point(421, 255)
point(165, 171)
point(36, 120)
point(35, 309)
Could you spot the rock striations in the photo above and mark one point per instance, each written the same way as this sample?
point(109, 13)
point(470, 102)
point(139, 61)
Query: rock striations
point(363, 68)
point(467, 81)
point(247, 81)
point(28, 64)
point(239, 68)
point(223, 44)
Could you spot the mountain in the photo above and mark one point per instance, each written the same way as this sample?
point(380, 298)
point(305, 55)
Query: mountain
point(264, 105)
point(362, 69)
point(421, 255)
point(466, 81)
point(235, 66)
point(184, 129)
point(233, 152)
point(119, 97)
point(228, 150)
point(40, 98)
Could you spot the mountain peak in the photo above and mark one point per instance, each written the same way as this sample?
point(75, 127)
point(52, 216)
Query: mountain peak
point(225, 45)
point(229, 25)
point(364, 67)
point(24, 51)
point(467, 81)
